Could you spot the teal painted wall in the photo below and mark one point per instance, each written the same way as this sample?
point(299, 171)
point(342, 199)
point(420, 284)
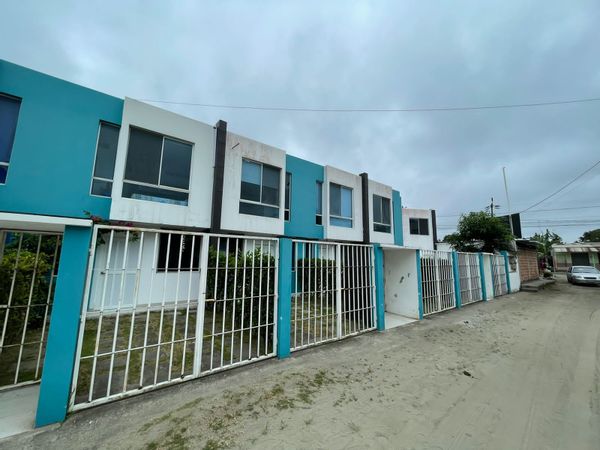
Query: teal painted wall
point(64, 327)
point(397, 211)
point(284, 299)
point(55, 144)
point(379, 287)
point(303, 198)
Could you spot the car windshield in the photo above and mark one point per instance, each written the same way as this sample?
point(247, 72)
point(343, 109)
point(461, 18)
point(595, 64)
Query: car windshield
point(585, 270)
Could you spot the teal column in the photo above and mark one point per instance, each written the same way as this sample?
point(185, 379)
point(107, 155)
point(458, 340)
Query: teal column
point(482, 276)
point(456, 279)
point(379, 287)
point(284, 298)
point(505, 253)
point(419, 284)
point(64, 327)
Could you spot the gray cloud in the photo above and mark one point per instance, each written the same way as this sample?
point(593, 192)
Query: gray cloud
point(369, 54)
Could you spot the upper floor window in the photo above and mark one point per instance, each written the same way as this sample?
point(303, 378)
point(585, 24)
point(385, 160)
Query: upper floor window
point(319, 215)
point(260, 189)
point(340, 205)
point(382, 220)
point(419, 226)
point(9, 114)
point(288, 189)
point(157, 168)
point(104, 165)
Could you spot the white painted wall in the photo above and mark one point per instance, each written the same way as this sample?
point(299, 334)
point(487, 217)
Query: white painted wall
point(401, 282)
point(337, 176)
point(383, 191)
point(143, 287)
point(202, 136)
point(238, 147)
point(515, 277)
point(487, 270)
point(414, 240)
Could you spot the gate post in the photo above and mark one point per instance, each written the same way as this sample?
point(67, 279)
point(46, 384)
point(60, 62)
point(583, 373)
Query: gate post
point(482, 277)
point(505, 254)
point(492, 257)
point(419, 283)
point(456, 272)
point(63, 332)
point(284, 298)
point(379, 287)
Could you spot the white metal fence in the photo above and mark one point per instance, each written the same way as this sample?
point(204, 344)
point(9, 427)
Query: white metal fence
point(28, 269)
point(332, 292)
point(470, 278)
point(164, 306)
point(437, 280)
point(499, 275)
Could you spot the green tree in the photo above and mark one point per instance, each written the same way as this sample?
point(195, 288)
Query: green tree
point(591, 236)
point(546, 241)
point(479, 231)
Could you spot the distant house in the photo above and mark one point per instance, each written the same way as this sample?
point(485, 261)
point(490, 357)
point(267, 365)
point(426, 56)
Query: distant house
point(577, 254)
point(528, 261)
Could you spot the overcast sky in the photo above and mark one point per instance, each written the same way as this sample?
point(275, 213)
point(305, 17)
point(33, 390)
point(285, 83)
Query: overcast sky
point(370, 55)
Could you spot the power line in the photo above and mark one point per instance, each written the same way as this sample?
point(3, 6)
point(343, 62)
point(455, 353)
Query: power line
point(565, 186)
point(538, 210)
point(378, 110)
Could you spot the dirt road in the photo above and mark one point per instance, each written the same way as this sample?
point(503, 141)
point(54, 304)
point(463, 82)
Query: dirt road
point(522, 371)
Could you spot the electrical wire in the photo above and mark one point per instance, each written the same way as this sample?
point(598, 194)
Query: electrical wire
point(377, 110)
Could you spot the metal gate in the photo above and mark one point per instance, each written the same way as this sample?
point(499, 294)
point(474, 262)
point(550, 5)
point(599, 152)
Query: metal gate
point(165, 306)
point(28, 270)
point(332, 292)
point(437, 280)
point(499, 275)
point(470, 278)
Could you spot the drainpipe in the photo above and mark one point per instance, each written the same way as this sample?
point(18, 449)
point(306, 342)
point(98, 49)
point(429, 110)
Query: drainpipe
point(219, 171)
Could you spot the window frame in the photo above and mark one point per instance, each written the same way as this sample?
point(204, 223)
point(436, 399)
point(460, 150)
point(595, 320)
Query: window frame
point(319, 215)
point(261, 203)
point(287, 209)
point(7, 164)
point(111, 181)
point(340, 217)
point(158, 185)
point(380, 199)
point(419, 227)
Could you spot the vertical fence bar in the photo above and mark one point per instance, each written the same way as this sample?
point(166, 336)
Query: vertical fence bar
point(338, 285)
point(457, 292)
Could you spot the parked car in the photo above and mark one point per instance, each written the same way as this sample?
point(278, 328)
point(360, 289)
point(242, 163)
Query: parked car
point(583, 275)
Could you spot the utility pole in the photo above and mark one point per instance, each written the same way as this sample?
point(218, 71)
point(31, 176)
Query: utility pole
point(508, 201)
point(492, 207)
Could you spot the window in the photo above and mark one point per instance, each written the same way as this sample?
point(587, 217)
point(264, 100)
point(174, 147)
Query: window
point(340, 205)
point(319, 215)
point(106, 153)
point(260, 189)
point(168, 252)
point(419, 226)
point(157, 168)
point(288, 188)
point(382, 220)
point(9, 113)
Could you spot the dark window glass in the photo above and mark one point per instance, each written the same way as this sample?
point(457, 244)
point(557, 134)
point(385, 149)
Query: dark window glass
point(155, 194)
point(414, 226)
point(335, 200)
point(256, 209)
point(168, 252)
point(424, 226)
point(270, 187)
point(319, 220)
point(340, 205)
point(251, 176)
point(319, 197)
point(381, 214)
point(3, 173)
point(9, 114)
point(176, 162)
point(377, 215)
point(106, 152)
point(101, 187)
point(288, 185)
point(143, 156)
point(385, 211)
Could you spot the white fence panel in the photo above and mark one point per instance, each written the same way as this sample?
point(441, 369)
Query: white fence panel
point(470, 278)
point(499, 275)
point(437, 280)
point(164, 306)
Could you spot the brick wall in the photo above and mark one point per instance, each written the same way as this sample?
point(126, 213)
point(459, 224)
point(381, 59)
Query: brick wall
point(528, 264)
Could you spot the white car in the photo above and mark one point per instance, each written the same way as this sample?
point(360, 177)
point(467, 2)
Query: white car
point(583, 275)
